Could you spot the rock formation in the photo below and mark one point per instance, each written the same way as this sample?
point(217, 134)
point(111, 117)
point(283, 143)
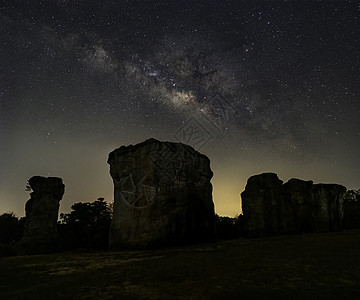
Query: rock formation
point(259, 203)
point(271, 207)
point(297, 207)
point(162, 195)
point(40, 235)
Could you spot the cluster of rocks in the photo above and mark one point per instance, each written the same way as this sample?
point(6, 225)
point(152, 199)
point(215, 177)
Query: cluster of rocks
point(273, 207)
point(163, 196)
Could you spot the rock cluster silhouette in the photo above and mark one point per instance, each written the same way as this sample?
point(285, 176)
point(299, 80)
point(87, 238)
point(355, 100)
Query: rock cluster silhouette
point(163, 196)
point(271, 207)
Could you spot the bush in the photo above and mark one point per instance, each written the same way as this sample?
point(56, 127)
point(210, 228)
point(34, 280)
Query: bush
point(229, 228)
point(351, 218)
point(11, 228)
point(87, 225)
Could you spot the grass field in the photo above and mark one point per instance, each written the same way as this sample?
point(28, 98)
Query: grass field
point(311, 266)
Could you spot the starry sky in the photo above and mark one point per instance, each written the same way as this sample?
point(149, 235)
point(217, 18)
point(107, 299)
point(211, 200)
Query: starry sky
point(257, 86)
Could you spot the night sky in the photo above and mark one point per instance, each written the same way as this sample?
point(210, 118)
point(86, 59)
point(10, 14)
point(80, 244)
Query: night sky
point(257, 86)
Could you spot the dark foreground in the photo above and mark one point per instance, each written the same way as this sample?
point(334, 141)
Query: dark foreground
point(314, 266)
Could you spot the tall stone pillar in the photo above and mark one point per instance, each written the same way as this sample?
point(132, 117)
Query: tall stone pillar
point(40, 235)
point(162, 195)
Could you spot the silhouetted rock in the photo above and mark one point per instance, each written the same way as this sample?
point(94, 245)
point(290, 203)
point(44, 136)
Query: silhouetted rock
point(162, 195)
point(260, 202)
point(271, 207)
point(297, 207)
point(40, 235)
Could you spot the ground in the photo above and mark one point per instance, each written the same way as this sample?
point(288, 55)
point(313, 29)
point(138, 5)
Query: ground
point(314, 266)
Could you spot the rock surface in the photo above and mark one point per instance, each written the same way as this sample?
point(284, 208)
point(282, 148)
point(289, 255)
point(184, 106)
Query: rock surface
point(297, 209)
point(162, 195)
point(271, 207)
point(40, 235)
point(259, 203)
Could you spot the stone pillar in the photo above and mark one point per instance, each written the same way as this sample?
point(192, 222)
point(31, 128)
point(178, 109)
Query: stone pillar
point(40, 235)
point(298, 212)
point(162, 195)
point(260, 204)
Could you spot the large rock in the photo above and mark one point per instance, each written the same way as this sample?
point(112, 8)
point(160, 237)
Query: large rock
point(40, 235)
point(162, 195)
point(259, 203)
point(296, 206)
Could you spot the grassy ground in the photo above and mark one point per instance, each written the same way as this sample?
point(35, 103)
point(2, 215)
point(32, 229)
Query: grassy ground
point(312, 266)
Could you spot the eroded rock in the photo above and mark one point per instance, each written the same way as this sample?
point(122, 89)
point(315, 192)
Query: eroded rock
point(260, 202)
point(162, 195)
point(297, 209)
point(40, 235)
point(296, 206)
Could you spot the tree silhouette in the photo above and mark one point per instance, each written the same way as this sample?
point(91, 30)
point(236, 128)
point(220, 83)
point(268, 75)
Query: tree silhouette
point(351, 218)
point(229, 228)
point(87, 225)
point(11, 228)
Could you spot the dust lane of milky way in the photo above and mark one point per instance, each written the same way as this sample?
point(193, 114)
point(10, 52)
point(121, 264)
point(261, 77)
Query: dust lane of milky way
point(257, 86)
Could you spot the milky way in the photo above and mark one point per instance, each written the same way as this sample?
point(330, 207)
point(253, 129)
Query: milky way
point(255, 85)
